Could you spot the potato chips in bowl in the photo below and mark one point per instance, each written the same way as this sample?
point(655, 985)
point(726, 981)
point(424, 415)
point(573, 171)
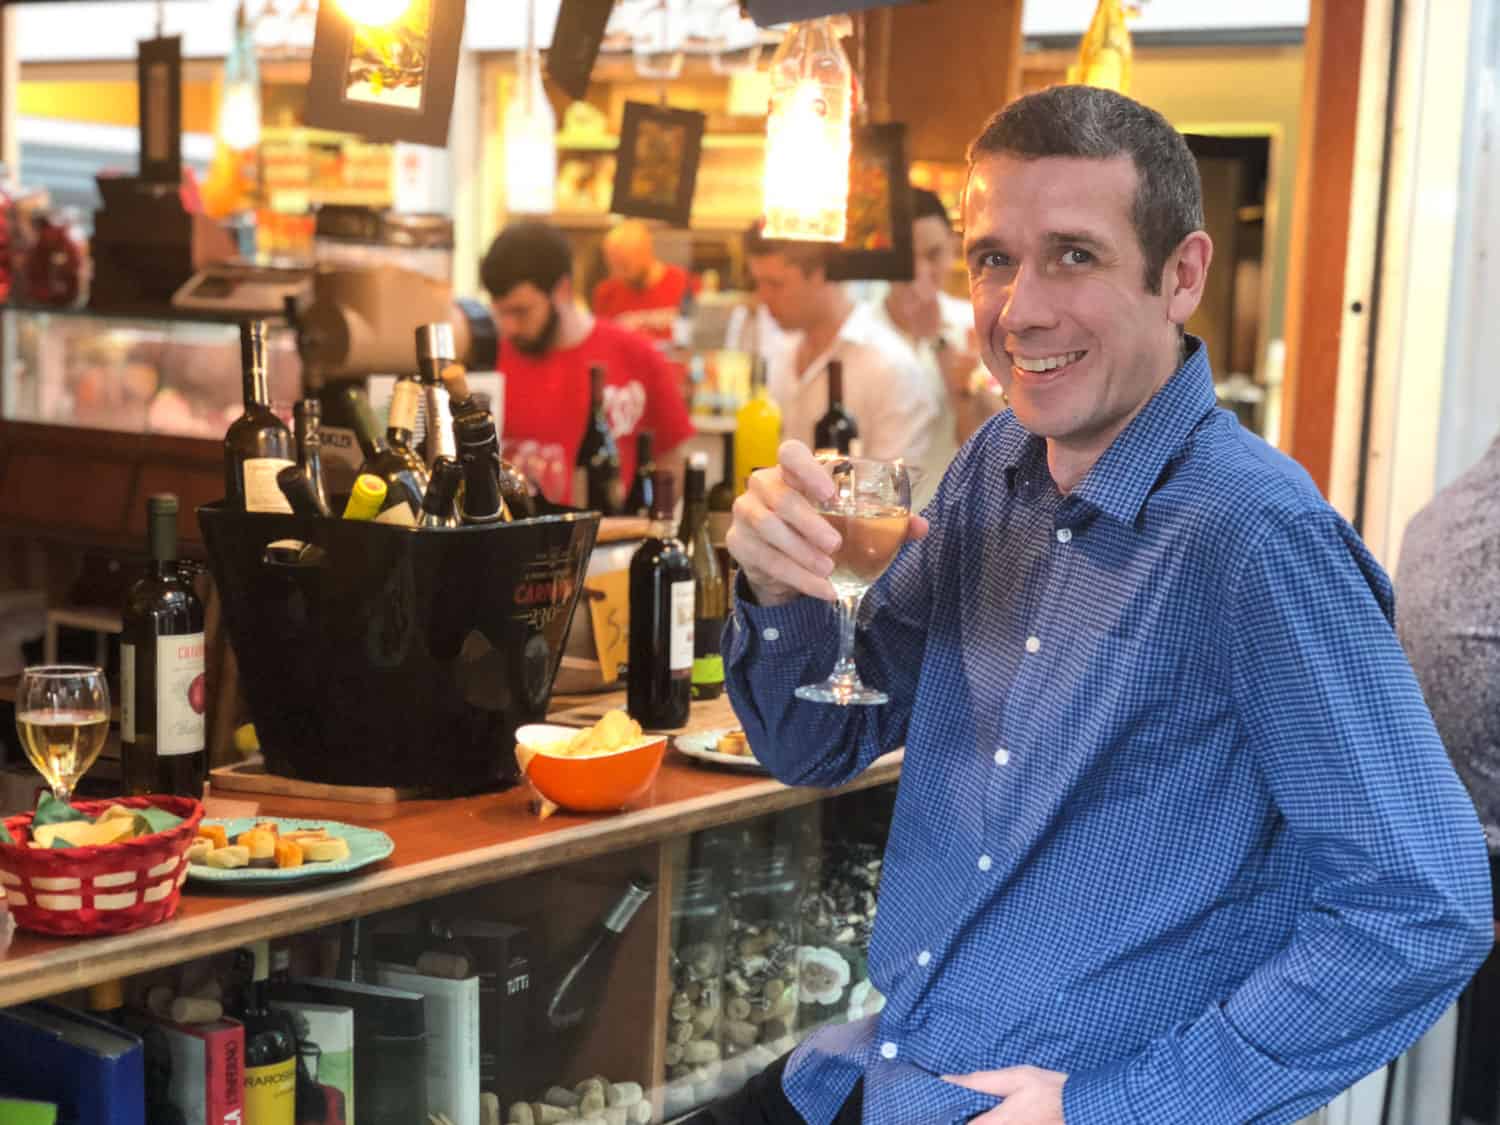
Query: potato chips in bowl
point(598, 769)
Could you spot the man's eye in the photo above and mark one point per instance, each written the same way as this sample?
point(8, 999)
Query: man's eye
point(1074, 256)
point(992, 260)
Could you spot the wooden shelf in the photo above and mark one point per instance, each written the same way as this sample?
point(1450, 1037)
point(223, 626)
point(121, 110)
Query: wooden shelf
point(441, 847)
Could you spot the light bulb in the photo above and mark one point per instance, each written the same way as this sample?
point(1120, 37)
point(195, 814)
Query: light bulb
point(808, 139)
point(374, 13)
point(530, 142)
point(239, 116)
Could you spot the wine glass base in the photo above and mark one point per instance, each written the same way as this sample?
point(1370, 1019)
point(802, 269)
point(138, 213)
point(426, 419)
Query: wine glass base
point(842, 693)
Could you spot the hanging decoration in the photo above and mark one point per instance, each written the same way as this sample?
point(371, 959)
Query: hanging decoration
point(1104, 56)
point(808, 136)
point(530, 134)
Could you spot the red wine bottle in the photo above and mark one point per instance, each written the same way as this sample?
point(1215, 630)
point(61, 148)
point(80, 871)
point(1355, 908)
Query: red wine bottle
point(659, 687)
point(596, 472)
point(307, 428)
point(479, 454)
point(257, 444)
point(163, 693)
point(435, 352)
point(638, 503)
point(439, 505)
point(836, 431)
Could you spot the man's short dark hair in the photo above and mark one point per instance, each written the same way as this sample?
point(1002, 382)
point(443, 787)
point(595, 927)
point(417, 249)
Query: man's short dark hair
point(928, 205)
point(1099, 124)
point(806, 256)
point(526, 251)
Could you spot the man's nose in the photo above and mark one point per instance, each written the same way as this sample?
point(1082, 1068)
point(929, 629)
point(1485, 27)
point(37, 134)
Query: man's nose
point(1027, 306)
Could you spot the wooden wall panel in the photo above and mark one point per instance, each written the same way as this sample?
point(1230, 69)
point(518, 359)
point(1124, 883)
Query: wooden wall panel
point(1320, 233)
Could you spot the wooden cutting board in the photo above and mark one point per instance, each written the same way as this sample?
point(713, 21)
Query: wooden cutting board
point(250, 776)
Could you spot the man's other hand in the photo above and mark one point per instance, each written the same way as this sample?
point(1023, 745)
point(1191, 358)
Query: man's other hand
point(1031, 1096)
point(781, 543)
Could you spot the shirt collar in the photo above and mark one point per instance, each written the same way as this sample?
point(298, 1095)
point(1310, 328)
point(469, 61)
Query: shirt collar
point(1120, 482)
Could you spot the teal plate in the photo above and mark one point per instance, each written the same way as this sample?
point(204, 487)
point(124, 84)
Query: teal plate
point(366, 846)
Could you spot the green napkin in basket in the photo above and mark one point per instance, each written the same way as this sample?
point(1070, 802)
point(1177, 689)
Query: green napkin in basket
point(5, 836)
point(49, 810)
point(156, 820)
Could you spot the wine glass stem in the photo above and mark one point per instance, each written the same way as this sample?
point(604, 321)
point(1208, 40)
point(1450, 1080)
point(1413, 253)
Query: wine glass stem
point(63, 792)
point(845, 670)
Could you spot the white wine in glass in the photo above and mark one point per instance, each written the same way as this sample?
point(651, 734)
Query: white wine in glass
point(62, 716)
point(871, 510)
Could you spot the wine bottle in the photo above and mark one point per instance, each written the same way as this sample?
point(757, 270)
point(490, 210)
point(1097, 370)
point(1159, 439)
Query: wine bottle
point(757, 430)
point(163, 691)
point(836, 431)
point(577, 989)
point(659, 686)
point(367, 498)
point(299, 493)
point(439, 505)
point(397, 463)
point(347, 433)
point(435, 352)
point(479, 454)
point(638, 503)
point(596, 473)
point(270, 1044)
point(462, 401)
point(257, 444)
point(307, 429)
point(721, 513)
point(710, 597)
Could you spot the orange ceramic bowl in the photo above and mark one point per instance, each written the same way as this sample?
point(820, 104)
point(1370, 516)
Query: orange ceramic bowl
point(601, 783)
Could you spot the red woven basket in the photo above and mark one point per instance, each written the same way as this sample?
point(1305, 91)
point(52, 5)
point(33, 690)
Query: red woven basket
point(102, 889)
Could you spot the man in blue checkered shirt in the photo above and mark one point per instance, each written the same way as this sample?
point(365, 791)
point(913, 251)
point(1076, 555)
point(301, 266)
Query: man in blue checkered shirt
point(1175, 839)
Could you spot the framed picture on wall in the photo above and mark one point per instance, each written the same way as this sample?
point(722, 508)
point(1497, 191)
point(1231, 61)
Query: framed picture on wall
point(392, 82)
point(877, 244)
point(656, 165)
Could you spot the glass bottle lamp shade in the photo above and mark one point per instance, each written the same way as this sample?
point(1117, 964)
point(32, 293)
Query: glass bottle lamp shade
point(239, 99)
point(530, 142)
point(808, 136)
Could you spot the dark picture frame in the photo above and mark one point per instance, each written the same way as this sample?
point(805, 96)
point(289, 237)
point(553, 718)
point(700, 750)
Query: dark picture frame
point(158, 81)
point(656, 164)
point(370, 83)
point(877, 246)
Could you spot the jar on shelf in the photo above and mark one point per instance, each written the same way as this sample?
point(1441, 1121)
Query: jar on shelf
point(760, 961)
point(694, 1045)
point(838, 915)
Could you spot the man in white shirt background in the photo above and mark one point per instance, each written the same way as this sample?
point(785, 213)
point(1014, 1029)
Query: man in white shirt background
point(893, 403)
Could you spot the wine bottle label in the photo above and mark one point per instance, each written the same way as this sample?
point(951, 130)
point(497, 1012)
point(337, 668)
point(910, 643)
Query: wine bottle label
point(262, 493)
point(127, 692)
point(181, 695)
point(271, 1094)
point(680, 653)
point(400, 514)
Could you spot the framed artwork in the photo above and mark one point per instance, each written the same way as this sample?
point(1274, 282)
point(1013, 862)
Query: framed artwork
point(575, 44)
point(158, 67)
point(877, 244)
point(387, 83)
point(656, 165)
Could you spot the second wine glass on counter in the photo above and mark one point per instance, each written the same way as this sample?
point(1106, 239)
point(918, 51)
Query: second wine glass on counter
point(870, 509)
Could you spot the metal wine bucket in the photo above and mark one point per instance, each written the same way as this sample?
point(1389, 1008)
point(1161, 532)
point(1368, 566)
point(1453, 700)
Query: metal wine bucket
point(389, 656)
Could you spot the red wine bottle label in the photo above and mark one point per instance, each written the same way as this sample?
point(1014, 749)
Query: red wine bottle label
point(127, 693)
point(262, 493)
point(680, 654)
point(181, 695)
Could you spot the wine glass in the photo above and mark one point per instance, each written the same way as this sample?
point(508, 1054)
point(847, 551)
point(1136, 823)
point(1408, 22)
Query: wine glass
point(62, 715)
point(870, 509)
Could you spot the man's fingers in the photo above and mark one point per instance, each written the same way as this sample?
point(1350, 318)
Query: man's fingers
point(804, 472)
point(788, 533)
point(1000, 1083)
point(766, 567)
point(793, 509)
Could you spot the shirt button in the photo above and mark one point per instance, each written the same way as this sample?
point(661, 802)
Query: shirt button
point(888, 1050)
point(923, 958)
point(1064, 535)
point(771, 633)
point(1002, 757)
point(985, 862)
point(1033, 644)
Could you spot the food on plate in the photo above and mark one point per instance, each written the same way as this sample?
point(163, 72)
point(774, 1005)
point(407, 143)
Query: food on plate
point(734, 742)
point(266, 845)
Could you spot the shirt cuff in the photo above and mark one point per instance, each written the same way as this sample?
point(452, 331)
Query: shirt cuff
point(801, 615)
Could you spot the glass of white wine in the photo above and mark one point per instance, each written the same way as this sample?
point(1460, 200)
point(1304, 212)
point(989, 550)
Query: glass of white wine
point(870, 509)
point(62, 714)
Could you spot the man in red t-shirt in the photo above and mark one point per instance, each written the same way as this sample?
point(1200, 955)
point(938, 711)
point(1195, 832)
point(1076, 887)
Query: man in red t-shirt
point(547, 346)
point(641, 292)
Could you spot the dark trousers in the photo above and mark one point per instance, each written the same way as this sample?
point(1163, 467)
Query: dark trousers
point(1477, 1066)
point(761, 1102)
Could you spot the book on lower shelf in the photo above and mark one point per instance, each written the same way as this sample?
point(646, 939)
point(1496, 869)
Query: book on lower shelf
point(452, 1011)
point(92, 1070)
point(325, 1061)
point(204, 1069)
point(20, 1111)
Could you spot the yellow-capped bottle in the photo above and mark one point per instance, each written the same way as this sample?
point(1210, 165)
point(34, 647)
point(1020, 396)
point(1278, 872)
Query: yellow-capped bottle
point(757, 430)
point(367, 498)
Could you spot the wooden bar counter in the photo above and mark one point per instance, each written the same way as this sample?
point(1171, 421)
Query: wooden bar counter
point(441, 846)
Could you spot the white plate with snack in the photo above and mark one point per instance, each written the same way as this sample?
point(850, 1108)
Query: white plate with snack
point(722, 746)
point(325, 848)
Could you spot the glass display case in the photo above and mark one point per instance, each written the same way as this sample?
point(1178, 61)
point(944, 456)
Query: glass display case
point(176, 375)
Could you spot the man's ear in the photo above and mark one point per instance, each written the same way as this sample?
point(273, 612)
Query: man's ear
point(1185, 275)
point(563, 290)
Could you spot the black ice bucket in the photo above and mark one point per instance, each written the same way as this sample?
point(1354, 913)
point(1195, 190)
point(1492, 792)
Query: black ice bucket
point(390, 656)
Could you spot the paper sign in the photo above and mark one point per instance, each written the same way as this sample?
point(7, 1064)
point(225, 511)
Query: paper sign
point(610, 616)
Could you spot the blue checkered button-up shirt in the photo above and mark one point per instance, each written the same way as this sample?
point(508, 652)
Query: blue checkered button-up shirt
point(1173, 819)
